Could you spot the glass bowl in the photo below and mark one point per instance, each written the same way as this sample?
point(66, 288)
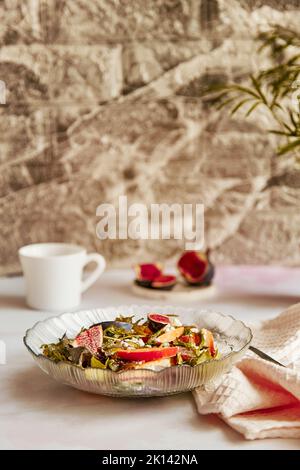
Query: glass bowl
point(232, 338)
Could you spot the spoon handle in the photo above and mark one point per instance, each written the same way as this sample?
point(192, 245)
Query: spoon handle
point(265, 356)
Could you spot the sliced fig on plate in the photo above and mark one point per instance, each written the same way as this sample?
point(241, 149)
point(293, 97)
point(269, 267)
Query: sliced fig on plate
point(146, 354)
point(158, 321)
point(146, 273)
point(91, 339)
point(151, 276)
point(170, 336)
point(164, 282)
point(196, 268)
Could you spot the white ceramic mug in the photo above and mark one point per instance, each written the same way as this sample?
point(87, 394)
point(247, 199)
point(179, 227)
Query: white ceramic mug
point(53, 274)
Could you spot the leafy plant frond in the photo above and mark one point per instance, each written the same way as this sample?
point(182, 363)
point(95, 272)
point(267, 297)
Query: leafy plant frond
point(278, 39)
point(252, 108)
point(226, 102)
point(277, 132)
point(239, 105)
point(288, 147)
point(271, 88)
point(257, 87)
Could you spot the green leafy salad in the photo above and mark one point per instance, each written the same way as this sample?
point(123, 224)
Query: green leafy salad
point(158, 342)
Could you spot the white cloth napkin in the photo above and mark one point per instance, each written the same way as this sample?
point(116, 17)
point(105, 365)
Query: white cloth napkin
point(257, 398)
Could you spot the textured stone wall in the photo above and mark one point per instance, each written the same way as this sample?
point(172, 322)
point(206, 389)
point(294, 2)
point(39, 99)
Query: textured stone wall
point(104, 99)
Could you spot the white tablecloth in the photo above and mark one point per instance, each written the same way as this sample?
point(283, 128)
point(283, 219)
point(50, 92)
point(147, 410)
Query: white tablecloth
point(38, 413)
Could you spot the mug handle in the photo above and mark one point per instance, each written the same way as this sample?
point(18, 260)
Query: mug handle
point(91, 278)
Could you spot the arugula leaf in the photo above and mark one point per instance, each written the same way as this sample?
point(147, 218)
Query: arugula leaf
point(57, 352)
point(204, 356)
point(113, 365)
point(125, 319)
point(96, 364)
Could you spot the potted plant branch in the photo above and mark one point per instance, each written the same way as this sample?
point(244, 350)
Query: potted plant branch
point(276, 88)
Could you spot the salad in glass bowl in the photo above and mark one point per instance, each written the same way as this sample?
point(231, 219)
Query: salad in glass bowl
point(154, 343)
point(127, 351)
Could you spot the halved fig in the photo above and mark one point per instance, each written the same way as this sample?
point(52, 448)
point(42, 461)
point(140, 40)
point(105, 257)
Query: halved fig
point(157, 321)
point(146, 273)
point(165, 282)
point(196, 268)
point(151, 276)
point(91, 339)
point(170, 336)
point(209, 341)
point(146, 354)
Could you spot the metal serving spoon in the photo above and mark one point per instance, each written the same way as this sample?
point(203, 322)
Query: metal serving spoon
point(265, 356)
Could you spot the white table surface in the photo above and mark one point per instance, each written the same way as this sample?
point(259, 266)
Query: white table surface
point(38, 413)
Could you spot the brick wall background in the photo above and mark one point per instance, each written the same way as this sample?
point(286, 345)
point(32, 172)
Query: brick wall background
point(104, 99)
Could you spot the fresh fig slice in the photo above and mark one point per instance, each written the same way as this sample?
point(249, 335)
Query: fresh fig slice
point(164, 282)
point(91, 339)
point(151, 276)
point(146, 273)
point(196, 268)
point(161, 283)
point(146, 354)
point(170, 336)
point(157, 321)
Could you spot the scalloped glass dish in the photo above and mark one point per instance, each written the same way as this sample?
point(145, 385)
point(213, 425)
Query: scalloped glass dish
point(231, 336)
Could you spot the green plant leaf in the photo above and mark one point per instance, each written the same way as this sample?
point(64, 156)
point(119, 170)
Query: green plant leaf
point(225, 103)
point(278, 132)
point(96, 364)
point(288, 128)
point(252, 108)
point(277, 105)
point(288, 148)
point(246, 90)
point(257, 87)
point(272, 86)
point(293, 120)
point(239, 105)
